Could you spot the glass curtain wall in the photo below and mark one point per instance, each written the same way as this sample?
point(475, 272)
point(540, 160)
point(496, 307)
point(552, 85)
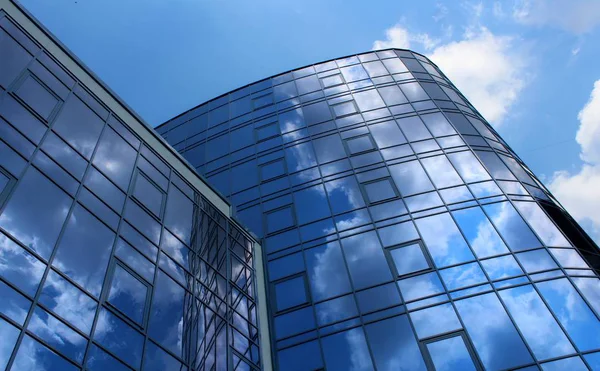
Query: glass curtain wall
point(109, 260)
point(400, 231)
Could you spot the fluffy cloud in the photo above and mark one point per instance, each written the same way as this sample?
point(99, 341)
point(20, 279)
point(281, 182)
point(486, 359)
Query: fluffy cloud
point(580, 192)
point(488, 69)
point(577, 16)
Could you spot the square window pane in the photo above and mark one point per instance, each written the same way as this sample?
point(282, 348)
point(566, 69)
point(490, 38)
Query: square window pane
point(395, 65)
point(308, 84)
point(379, 190)
point(272, 170)
point(443, 240)
point(300, 157)
point(387, 134)
point(79, 126)
point(332, 80)
point(435, 321)
point(329, 148)
point(441, 171)
point(414, 129)
point(344, 109)
point(354, 73)
point(368, 100)
point(290, 293)
point(468, 167)
point(392, 95)
point(14, 60)
point(99, 360)
point(410, 178)
point(502, 267)
point(536, 261)
point(408, 259)
point(359, 144)
point(462, 276)
point(420, 286)
point(450, 354)
point(344, 195)
point(437, 124)
point(311, 204)
point(128, 294)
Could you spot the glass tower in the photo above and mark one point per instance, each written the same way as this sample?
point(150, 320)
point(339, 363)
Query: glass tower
point(114, 254)
point(400, 231)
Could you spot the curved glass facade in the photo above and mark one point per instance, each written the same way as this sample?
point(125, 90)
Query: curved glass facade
point(109, 258)
point(400, 231)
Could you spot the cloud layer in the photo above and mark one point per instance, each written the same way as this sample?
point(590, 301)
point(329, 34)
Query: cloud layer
point(576, 16)
point(580, 192)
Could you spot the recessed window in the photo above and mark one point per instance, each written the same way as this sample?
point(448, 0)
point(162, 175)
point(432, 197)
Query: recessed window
point(37, 96)
point(360, 144)
point(267, 131)
point(272, 170)
point(379, 190)
point(408, 258)
point(279, 219)
point(290, 293)
point(333, 80)
point(148, 194)
point(455, 344)
point(343, 109)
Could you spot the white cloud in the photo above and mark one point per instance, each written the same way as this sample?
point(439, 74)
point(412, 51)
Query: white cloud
point(580, 192)
point(488, 69)
point(576, 16)
point(399, 37)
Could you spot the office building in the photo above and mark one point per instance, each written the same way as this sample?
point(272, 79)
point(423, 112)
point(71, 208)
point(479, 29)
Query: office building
point(389, 226)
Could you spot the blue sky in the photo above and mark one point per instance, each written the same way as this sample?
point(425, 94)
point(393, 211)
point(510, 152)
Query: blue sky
point(529, 66)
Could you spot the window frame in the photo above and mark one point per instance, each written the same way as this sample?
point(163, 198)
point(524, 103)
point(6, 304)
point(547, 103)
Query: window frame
point(139, 173)
point(460, 333)
point(369, 137)
point(388, 255)
point(273, 292)
point(365, 194)
point(10, 185)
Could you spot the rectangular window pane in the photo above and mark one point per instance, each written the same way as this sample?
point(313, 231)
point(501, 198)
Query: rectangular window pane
point(366, 260)
point(450, 354)
point(32, 355)
point(443, 240)
point(128, 294)
point(492, 338)
point(118, 337)
point(479, 232)
point(435, 320)
point(290, 293)
point(410, 178)
point(79, 126)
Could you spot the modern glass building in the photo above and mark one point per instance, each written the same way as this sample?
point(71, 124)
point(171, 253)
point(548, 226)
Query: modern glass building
point(389, 226)
point(114, 253)
point(400, 231)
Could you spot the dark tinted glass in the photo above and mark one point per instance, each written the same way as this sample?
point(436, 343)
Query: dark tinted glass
point(79, 126)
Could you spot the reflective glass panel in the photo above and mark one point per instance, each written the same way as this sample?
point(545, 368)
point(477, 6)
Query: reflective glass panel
point(368, 100)
point(392, 95)
point(178, 214)
point(462, 275)
point(168, 305)
point(327, 272)
point(84, 250)
point(347, 351)
point(79, 126)
point(387, 134)
point(420, 286)
point(57, 334)
point(516, 233)
point(354, 73)
point(479, 232)
point(410, 178)
point(14, 305)
point(290, 293)
point(408, 259)
point(329, 148)
point(450, 354)
point(344, 195)
point(36, 199)
point(437, 124)
point(118, 337)
point(574, 314)
point(441, 171)
point(502, 267)
point(366, 260)
point(128, 294)
point(394, 346)
point(9, 338)
point(115, 158)
point(571, 364)
point(311, 204)
point(32, 355)
point(300, 157)
point(542, 333)
point(335, 310)
point(20, 267)
point(435, 320)
point(414, 129)
point(443, 240)
point(541, 224)
point(306, 356)
point(148, 194)
point(590, 287)
point(99, 360)
point(497, 342)
point(468, 167)
point(536, 261)
point(379, 190)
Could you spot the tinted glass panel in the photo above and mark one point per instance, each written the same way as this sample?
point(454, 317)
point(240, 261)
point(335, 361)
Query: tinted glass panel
point(344, 195)
point(115, 157)
point(516, 233)
point(9, 338)
point(168, 304)
point(387, 134)
point(408, 259)
point(450, 354)
point(394, 346)
point(366, 261)
point(435, 320)
point(420, 286)
point(14, 61)
point(32, 355)
point(468, 167)
point(497, 342)
point(441, 172)
point(347, 351)
point(128, 294)
point(79, 125)
point(479, 232)
point(410, 178)
point(311, 204)
point(443, 240)
point(541, 224)
point(36, 200)
point(537, 325)
point(368, 100)
point(290, 293)
point(119, 338)
point(327, 272)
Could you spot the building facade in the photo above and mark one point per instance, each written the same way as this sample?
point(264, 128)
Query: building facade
point(114, 253)
point(397, 230)
point(400, 231)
